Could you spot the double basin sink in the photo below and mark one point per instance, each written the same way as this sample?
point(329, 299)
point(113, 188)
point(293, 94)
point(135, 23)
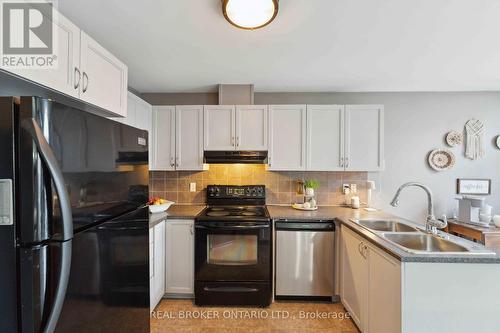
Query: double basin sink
point(411, 239)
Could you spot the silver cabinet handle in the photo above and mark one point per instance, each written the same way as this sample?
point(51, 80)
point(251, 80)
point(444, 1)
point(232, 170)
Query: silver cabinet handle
point(172, 164)
point(232, 141)
point(237, 141)
point(347, 162)
point(342, 162)
point(79, 75)
point(177, 162)
point(85, 86)
point(360, 245)
point(191, 229)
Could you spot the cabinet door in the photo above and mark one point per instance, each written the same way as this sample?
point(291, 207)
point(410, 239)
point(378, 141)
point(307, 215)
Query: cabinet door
point(180, 257)
point(104, 77)
point(163, 145)
point(384, 287)
point(325, 137)
point(219, 127)
point(152, 303)
point(364, 149)
point(159, 263)
point(287, 137)
point(353, 276)
point(64, 77)
point(143, 114)
point(251, 127)
point(131, 117)
point(189, 137)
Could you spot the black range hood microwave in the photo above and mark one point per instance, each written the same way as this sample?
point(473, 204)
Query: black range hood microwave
point(234, 157)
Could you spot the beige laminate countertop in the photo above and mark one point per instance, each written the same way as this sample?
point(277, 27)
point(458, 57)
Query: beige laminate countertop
point(176, 212)
point(324, 213)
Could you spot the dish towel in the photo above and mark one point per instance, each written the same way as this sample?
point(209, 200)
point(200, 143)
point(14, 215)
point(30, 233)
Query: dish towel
point(475, 139)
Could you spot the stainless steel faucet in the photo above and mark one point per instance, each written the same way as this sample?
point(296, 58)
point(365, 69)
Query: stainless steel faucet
point(432, 224)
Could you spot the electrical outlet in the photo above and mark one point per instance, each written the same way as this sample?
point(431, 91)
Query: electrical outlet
point(345, 187)
point(354, 188)
point(192, 187)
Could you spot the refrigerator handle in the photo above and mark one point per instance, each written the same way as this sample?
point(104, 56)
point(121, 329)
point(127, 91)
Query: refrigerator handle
point(62, 285)
point(31, 126)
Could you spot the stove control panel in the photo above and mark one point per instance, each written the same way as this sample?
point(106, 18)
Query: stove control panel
point(230, 191)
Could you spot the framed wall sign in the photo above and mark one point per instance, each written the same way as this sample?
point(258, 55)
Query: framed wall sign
point(474, 186)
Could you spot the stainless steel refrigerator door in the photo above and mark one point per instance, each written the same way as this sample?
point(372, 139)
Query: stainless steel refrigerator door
point(305, 263)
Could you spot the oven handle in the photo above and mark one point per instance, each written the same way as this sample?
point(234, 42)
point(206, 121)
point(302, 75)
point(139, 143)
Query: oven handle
point(234, 227)
point(231, 289)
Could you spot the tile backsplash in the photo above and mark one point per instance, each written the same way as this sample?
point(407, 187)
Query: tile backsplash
point(281, 186)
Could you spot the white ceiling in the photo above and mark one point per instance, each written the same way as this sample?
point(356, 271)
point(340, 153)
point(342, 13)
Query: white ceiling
point(313, 45)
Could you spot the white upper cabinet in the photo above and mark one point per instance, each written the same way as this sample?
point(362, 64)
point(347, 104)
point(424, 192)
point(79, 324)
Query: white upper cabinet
point(85, 70)
point(177, 138)
point(252, 127)
point(287, 137)
point(104, 77)
point(162, 148)
point(143, 115)
point(220, 127)
point(64, 77)
point(325, 137)
point(364, 147)
point(138, 113)
point(189, 137)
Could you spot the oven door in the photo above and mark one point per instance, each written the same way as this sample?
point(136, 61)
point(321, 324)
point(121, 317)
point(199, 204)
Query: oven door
point(227, 251)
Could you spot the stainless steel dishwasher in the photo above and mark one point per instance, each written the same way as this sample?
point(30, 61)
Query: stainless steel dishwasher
point(305, 255)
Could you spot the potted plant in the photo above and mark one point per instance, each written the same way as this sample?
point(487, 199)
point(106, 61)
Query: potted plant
point(311, 185)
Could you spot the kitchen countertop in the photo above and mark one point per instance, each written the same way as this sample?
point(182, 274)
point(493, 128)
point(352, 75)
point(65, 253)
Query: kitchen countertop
point(176, 212)
point(344, 215)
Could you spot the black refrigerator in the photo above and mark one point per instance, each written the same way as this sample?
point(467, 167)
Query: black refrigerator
point(74, 248)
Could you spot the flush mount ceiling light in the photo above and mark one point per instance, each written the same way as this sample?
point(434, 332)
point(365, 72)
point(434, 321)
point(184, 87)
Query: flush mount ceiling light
point(250, 14)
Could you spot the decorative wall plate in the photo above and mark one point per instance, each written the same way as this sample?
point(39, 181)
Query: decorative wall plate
point(441, 159)
point(498, 142)
point(454, 138)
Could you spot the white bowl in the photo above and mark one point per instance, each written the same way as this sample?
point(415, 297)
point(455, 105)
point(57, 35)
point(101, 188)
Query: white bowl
point(160, 208)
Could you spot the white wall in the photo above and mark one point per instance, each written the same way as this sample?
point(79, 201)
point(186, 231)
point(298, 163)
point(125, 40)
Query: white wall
point(416, 123)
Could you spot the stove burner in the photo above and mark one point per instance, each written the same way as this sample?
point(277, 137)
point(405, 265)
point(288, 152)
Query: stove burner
point(249, 213)
point(218, 213)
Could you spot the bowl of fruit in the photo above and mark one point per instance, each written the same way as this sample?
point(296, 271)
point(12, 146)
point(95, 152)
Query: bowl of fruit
point(159, 205)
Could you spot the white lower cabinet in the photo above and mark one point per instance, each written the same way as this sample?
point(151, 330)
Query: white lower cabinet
point(384, 293)
point(157, 263)
point(370, 285)
point(179, 255)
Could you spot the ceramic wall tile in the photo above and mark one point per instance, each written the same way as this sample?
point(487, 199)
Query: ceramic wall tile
point(282, 186)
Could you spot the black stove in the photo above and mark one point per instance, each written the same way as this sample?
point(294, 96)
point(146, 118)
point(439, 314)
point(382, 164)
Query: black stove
point(233, 247)
point(235, 203)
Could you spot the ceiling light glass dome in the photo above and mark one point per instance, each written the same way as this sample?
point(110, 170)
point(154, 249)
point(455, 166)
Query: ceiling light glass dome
point(250, 14)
